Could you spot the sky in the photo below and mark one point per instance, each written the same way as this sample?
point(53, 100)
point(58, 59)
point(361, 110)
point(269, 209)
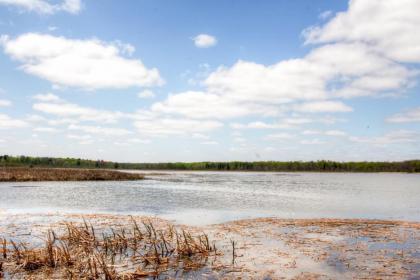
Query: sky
point(220, 80)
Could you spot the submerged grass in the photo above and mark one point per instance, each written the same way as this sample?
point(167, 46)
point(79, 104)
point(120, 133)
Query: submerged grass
point(22, 174)
point(83, 252)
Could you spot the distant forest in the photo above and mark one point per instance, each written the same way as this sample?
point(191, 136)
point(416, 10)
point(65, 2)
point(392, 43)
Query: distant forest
point(316, 166)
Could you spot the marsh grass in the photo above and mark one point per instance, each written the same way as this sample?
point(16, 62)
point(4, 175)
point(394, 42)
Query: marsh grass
point(23, 174)
point(130, 252)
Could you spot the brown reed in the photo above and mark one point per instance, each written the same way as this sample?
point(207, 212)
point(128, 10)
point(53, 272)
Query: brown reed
point(23, 174)
point(83, 252)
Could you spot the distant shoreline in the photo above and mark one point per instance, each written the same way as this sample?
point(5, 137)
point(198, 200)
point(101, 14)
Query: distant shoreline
point(408, 166)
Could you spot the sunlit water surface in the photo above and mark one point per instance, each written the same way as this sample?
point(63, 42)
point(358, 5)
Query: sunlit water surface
point(199, 198)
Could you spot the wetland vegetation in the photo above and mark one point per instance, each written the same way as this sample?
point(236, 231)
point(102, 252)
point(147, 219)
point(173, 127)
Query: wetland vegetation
point(24, 174)
point(285, 166)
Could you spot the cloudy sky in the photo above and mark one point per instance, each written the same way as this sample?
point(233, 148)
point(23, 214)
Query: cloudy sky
point(212, 80)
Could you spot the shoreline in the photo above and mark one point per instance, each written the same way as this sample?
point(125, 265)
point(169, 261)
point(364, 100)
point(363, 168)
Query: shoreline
point(162, 171)
point(275, 247)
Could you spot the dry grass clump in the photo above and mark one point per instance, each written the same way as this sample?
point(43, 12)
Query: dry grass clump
point(81, 252)
point(22, 174)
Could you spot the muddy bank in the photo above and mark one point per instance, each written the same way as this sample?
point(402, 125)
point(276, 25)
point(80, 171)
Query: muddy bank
point(260, 248)
point(10, 174)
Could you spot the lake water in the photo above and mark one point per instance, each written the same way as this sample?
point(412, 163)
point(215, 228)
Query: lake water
point(199, 198)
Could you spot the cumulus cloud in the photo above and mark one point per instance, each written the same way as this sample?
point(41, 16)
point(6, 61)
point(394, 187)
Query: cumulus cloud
point(392, 137)
point(390, 27)
point(170, 126)
point(46, 129)
point(197, 104)
point(204, 41)
point(146, 94)
point(309, 83)
point(79, 137)
point(282, 135)
point(199, 136)
point(260, 125)
point(106, 131)
point(361, 52)
point(76, 112)
point(90, 64)
point(44, 7)
point(209, 143)
point(326, 14)
point(7, 122)
point(412, 115)
point(315, 141)
point(323, 106)
point(337, 133)
point(5, 103)
point(47, 97)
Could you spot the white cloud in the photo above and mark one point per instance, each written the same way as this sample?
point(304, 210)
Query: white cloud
point(90, 64)
point(311, 132)
point(270, 149)
point(7, 122)
point(107, 131)
point(326, 72)
point(138, 140)
point(35, 118)
point(323, 106)
point(282, 135)
point(327, 133)
point(287, 123)
point(325, 15)
point(239, 139)
point(85, 139)
point(350, 65)
point(312, 142)
point(77, 112)
point(79, 137)
point(201, 105)
point(282, 123)
point(204, 41)
point(200, 136)
point(169, 126)
point(412, 115)
point(390, 27)
point(146, 94)
point(44, 7)
point(46, 129)
point(5, 103)
point(47, 97)
point(398, 136)
point(209, 143)
point(335, 133)
point(317, 80)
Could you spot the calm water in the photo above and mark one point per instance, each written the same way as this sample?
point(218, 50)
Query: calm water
point(213, 197)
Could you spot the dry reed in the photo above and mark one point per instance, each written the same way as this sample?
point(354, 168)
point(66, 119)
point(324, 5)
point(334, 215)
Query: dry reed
point(133, 252)
point(21, 174)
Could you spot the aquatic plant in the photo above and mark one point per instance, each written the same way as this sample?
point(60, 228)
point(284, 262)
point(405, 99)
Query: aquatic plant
point(132, 252)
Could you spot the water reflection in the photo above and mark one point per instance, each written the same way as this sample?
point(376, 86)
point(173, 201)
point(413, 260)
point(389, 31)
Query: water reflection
point(212, 197)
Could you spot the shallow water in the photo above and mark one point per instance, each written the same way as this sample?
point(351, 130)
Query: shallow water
point(199, 198)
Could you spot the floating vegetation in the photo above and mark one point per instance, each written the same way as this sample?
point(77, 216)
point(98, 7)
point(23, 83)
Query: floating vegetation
point(130, 252)
point(16, 174)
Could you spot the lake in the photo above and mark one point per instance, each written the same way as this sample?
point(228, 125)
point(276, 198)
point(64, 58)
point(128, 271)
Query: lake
point(199, 198)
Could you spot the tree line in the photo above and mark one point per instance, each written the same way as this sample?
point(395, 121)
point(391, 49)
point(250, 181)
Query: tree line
point(315, 166)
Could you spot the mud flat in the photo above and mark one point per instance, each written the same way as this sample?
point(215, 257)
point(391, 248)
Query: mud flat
point(22, 174)
point(145, 247)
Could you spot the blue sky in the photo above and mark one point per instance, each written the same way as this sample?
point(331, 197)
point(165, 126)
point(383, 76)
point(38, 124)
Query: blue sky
point(216, 80)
